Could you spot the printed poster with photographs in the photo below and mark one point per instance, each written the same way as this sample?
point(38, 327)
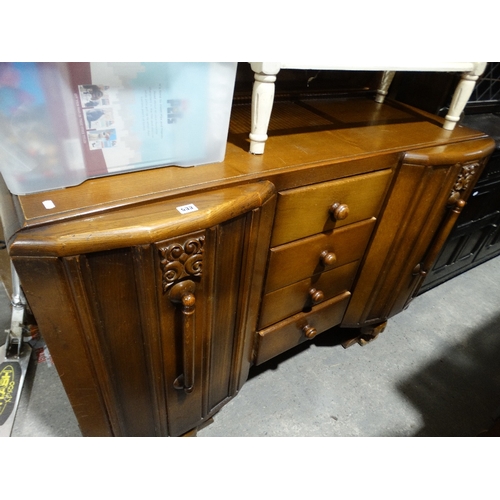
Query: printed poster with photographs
point(98, 116)
point(145, 114)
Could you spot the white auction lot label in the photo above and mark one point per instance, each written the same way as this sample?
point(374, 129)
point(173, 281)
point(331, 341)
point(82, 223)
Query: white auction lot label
point(185, 209)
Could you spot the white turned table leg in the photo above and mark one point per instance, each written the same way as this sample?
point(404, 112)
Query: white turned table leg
point(262, 105)
point(383, 88)
point(460, 97)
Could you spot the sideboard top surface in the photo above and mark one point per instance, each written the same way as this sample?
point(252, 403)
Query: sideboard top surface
point(326, 133)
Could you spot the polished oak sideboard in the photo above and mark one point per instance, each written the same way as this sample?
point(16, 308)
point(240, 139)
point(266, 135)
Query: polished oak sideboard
point(156, 291)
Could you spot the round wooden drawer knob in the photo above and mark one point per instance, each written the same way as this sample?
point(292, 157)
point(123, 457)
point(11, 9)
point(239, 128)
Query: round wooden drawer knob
point(339, 211)
point(316, 295)
point(328, 258)
point(309, 331)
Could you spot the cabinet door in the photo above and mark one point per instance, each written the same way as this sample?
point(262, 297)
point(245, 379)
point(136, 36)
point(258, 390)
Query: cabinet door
point(429, 190)
point(201, 315)
point(136, 356)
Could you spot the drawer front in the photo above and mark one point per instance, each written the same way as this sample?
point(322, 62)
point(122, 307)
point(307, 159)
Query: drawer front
point(306, 293)
point(291, 332)
point(308, 210)
point(322, 252)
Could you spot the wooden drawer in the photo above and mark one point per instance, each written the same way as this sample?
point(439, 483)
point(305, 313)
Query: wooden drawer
point(307, 210)
point(295, 298)
point(298, 260)
point(292, 331)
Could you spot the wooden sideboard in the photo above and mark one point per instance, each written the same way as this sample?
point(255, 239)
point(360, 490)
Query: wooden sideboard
point(155, 311)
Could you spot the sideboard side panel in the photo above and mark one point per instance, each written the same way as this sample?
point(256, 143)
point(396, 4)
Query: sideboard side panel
point(256, 247)
point(114, 297)
point(54, 304)
point(224, 301)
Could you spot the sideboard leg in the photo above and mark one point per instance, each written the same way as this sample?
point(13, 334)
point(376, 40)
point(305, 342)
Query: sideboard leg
point(194, 432)
point(190, 434)
point(366, 334)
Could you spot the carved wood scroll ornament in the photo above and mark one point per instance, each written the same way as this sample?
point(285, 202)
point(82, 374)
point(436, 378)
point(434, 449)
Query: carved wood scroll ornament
point(180, 260)
point(464, 179)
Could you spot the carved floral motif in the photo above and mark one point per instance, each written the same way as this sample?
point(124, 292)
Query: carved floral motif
point(179, 260)
point(464, 179)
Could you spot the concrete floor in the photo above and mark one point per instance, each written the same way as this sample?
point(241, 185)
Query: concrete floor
point(434, 371)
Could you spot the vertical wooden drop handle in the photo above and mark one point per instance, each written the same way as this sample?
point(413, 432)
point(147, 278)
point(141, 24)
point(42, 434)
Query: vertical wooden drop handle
point(442, 236)
point(424, 267)
point(183, 294)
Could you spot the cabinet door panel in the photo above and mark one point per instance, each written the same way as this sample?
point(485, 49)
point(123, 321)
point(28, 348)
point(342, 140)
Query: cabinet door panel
point(212, 261)
point(182, 260)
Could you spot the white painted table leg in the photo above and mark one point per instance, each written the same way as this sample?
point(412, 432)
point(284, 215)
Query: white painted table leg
point(262, 105)
point(383, 88)
point(460, 97)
